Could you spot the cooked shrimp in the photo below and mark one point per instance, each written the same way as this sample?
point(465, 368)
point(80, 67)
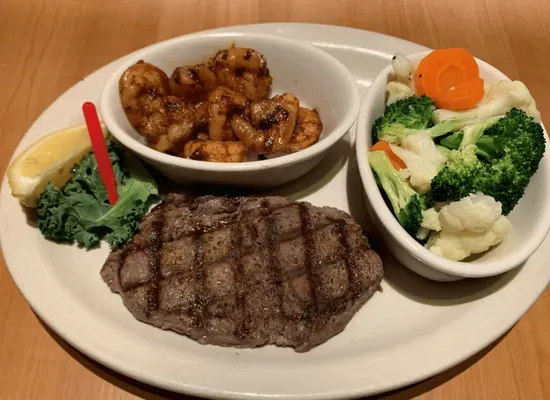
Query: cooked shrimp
point(289, 99)
point(244, 70)
point(201, 112)
point(167, 122)
point(193, 82)
point(222, 102)
point(270, 126)
point(306, 132)
point(217, 151)
point(139, 84)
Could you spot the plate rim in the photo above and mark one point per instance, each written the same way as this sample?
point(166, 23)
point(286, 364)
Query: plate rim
point(102, 357)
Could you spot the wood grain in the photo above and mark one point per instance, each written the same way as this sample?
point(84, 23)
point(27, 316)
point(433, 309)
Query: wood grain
point(47, 46)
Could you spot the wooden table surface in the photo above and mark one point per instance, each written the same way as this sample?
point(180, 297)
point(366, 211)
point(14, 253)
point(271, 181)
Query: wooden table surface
point(48, 46)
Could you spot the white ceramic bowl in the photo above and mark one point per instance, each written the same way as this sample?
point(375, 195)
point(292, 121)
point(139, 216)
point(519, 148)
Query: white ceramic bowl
point(530, 218)
point(316, 78)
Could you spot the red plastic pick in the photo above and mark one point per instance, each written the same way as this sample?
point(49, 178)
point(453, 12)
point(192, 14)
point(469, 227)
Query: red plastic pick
point(100, 150)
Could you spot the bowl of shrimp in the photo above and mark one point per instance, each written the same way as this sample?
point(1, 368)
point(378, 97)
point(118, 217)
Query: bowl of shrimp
point(236, 109)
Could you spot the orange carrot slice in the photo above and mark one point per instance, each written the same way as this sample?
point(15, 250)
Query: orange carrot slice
point(444, 70)
point(462, 96)
point(385, 147)
point(427, 64)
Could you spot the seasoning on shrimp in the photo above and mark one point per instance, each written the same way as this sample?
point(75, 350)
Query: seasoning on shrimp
point(216, 151)
point(193, 82)
point(222, 102)
point(306, 132)
point(164, 120)
point(270, 126)
point(243, 70)
point(140, 83)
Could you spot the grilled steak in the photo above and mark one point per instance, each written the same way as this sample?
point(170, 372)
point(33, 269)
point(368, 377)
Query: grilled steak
point(246, 271)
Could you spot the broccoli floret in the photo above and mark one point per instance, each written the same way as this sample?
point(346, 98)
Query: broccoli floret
point(444, 150)
point(488, 148)
point(504, 182)
point(411, 115)
point(452, 142)
point(456, 179)
point(474, 134)
point(519, 137)
point(465, 174)
point(406, 203)
point(408, 113)
point(512, 148)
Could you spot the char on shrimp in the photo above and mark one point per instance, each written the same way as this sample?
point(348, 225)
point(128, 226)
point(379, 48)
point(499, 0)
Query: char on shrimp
point(221, 103)
point(270, 126)
point(306, 132)
point(139, 84)
point(164, 120)
point(193, 82)
point(243, 70)
point(217, 151)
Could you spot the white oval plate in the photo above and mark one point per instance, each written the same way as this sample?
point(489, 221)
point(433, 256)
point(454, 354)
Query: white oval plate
point(412, 330)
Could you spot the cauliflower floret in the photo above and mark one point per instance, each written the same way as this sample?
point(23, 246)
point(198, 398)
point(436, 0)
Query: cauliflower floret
point(499, 98)
point(421, 171)
point(402, 68)
point(469, 226)
point(430, 220)
point(397, 91)
point(401, 84)
point(460, 245)
point(532, 110)
point(404, 174)
point(475, 213)
point(424, 146)
point(422, 158)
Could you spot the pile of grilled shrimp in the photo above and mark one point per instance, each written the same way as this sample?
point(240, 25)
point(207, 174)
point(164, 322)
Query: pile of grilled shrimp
point(218, 110)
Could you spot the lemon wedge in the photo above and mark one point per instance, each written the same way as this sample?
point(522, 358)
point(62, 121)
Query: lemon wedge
point(49, 159)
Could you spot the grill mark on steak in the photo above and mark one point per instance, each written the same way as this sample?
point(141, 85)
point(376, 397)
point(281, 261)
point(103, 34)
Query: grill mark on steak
point(245, 271)
point(224, 222)
point(123, 253)
point(345, 251)
point(201, 297)
point(241, 329)
point(283, 237)
point(153, 252)
point(275, 272)
point(309, 246)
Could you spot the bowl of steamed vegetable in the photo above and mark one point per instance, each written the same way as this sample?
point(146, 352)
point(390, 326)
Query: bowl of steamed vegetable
point(452, 159)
